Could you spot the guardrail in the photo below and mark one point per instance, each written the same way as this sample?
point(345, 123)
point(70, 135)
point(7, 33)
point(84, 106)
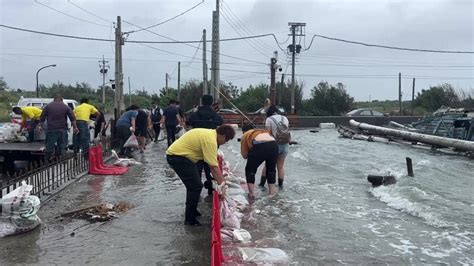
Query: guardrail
point(49, 176)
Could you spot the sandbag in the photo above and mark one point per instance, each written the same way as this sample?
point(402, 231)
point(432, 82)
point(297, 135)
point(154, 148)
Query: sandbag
point(131, 142)
point(228, 217)
point(264, 255)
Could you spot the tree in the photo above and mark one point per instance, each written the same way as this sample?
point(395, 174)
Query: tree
point(437, 96)
point(252, 98)
point(3, 85)
point(167, 94)
point(190, 94)
point(329, 100)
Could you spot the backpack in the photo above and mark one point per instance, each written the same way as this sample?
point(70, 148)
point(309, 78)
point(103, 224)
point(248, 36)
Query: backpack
point(282, 134)
point(156, 115)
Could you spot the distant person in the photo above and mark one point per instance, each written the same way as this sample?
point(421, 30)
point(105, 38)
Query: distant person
point(258, 146)
point(181, 114)
point(125, 127)
point(196, 145)
point(56, 114)
point(205, 117)
point(278, 126)
point(100, 127)
point(142, 123)
point(83, 113)
point(156, 114)
point(33, 114)
point(170, 120)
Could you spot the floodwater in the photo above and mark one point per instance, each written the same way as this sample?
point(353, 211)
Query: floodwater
point(327, 214)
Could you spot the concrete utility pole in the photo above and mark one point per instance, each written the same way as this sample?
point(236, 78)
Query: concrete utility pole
point(297, 29)
point(204, 64)
point(179, 79)
point(119, 104)
point(215, 61)
point(273, 69)
point(413, 98)
point(166, 81)
point(129, 92)
point(282, 86)
point(400, 92)
point(103, 70)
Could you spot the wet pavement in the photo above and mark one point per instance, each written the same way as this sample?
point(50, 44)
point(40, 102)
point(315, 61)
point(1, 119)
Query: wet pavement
point(150, 233)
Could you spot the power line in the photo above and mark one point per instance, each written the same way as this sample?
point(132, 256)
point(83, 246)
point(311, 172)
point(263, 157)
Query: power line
point(163, 22)
point(148, 42)
point(230, 56)
point(88, 12)
point(391, 47)
point(71, 16)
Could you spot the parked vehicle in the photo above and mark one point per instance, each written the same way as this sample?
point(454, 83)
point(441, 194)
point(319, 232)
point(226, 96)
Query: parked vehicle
point(38, 102)
point(365, 112)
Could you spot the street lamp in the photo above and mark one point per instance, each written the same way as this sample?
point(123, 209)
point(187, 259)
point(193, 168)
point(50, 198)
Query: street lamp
point(37, 72)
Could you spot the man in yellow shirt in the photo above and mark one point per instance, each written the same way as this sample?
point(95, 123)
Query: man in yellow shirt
point(196, 145)
point(33, 114)
point(83, 113)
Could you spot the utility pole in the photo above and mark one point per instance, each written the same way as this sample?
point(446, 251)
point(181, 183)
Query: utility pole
point(166, 82)
point(273, 69)
point(215, 64)
point(282, 86)
point(204, 63)
point(103, 70)
point(119, 104)
point(179, 79)
point(400, 92)
point(297, 29)
point(129, 92)
point(413, 98)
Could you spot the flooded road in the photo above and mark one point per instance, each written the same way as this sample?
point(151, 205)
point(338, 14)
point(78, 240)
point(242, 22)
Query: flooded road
point(327, 213)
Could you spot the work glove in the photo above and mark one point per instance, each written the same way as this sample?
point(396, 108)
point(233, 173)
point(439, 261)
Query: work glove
point(221, 189)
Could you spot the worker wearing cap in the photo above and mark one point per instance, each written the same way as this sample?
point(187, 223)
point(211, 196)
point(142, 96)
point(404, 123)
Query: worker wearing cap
point(33, 114)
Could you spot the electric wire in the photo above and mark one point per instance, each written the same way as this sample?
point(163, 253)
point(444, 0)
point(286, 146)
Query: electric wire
point(165, 21)
point(238, 33)
point(393, 47)
point(88, 12)
point(71, 16)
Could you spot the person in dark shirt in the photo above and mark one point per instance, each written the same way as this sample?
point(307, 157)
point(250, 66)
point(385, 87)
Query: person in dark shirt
point(100, 127)
point(125, 127)
point(142, 123)
point(155, 116)
point(181, 114)
point(170, 120)
point(205, 117)
point(56, 114)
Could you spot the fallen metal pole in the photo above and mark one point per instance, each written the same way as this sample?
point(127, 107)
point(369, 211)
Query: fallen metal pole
point(424, 138)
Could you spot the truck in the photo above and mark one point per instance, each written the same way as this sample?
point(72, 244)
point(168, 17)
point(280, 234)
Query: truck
point(19, 153)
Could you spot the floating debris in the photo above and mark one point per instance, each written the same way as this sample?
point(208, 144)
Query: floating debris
point(99, 213)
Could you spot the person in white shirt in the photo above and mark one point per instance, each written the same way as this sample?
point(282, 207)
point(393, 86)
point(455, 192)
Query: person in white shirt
point(283, 139)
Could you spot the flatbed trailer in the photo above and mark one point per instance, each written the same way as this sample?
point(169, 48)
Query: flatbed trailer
point(18, 151)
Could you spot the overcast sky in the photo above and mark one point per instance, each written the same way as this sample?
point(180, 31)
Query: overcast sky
point(368, 73)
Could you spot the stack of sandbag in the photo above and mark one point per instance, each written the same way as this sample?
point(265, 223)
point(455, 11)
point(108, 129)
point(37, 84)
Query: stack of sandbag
point(8, 133)
point(19, 211)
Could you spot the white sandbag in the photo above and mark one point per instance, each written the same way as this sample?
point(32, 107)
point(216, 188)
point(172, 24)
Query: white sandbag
point(327, 125)
point(240, 199)
point(263, 255)
point(236, 191)
point(18, 225)
point(228, 217)
point(13, 202)
point(241, 235)
point(180, 132)
point(132, 142)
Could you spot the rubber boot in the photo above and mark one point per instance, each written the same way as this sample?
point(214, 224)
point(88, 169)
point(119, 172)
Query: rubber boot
point(263, 180)
point(280, 183)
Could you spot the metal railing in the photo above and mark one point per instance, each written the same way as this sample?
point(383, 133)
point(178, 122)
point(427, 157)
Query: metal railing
point(46, 177)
